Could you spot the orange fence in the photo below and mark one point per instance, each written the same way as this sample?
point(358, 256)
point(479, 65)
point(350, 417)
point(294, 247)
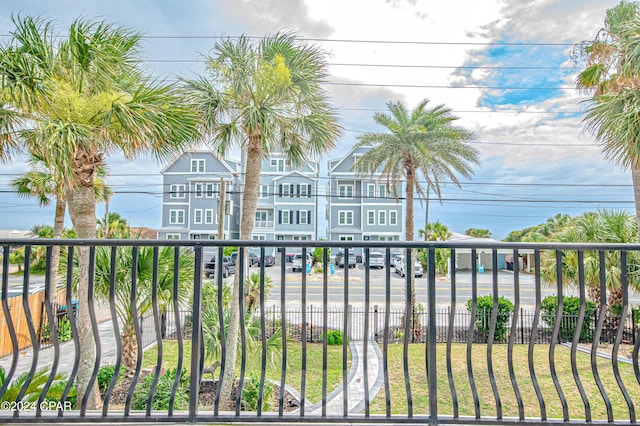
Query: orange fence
point(19, 318)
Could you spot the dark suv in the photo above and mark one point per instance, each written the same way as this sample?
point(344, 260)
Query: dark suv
point(228, 266)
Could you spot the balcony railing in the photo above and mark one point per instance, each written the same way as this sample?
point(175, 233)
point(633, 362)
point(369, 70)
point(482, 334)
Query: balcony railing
point(483, 345)
point(263, 224)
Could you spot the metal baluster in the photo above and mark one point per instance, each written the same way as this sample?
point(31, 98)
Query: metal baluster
point(472, 324)
point(303, 371)
point(223, 337)
point(554, 337)
point(178, 326)
point(263, 331)
point(196, 335)
point(576, 337)
point(34, 338)
point(156, 322)
point(432, 367)
point(74, 330)
point(385, 338)
point(325, 318)
point(534, 332)
point(283, 322)
point(624, 278)
point(26, 276)
point(367, 289)
point(492, 333)
point(512, 336)
point(96, 333)
point(243, 332)
point(345, 324)
point(596, 338)
point(407, 330)
point(452, 316)
point(7, 316)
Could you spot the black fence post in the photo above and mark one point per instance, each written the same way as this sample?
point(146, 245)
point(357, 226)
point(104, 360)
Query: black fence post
point(375, 322)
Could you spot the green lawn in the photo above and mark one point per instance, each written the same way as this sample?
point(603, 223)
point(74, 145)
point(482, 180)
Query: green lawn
point(294, 362)
point(419, 391)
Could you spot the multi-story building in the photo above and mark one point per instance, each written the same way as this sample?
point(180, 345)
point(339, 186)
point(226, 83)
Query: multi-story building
point(191, 187)
point(360, 208)
point(287, 201)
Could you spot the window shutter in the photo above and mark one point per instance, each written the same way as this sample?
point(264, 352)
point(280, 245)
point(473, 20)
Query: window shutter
point(298, 217)
point(279, 216)
point(308, 190)
point(280, 190)
point(298, 190)
point(309, 217)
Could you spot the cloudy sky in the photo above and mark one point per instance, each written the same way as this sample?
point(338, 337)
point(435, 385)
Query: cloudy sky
point(503, 66)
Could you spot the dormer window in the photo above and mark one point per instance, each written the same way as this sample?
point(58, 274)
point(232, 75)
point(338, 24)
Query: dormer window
point(197, 166)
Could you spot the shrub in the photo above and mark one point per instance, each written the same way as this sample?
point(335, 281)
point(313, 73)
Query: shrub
point(334, 337)
point(250, 391)
point(570, 311)
point(104, 377)
point(483, 316)
point(162, 395)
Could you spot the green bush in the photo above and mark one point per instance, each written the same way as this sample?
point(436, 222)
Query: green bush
point(250, 391)
point(483, 316)
point(570, 311)
point(104, 377)
point(334, 337)
point(162, 395)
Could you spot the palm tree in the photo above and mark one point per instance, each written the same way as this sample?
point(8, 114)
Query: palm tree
point(264, 97)
point(118, 227)
point(435, 231)
point(44, 183)
point(144, 287)
point(423, 141)
point(611, 75)
point(85, 97)
point(604, 226)
point(478, 233)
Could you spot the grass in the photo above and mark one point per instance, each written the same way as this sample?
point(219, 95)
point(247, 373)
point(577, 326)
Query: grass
point(508, 399)
point(274, 371)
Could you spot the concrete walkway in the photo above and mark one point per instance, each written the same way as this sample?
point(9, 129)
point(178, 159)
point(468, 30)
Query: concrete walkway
point(335, 400)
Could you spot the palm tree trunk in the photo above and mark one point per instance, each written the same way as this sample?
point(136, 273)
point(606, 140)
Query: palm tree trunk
point(58, 227)
point(129, 347)
point(635, 178)
point(249, 205)
point(414, 323)
point(82, 211)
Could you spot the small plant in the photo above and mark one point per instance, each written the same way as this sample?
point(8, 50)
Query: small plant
point(162, 395)
point(318, 270)
point(334, 337)
point(250, 392)
point(64, 330)
point(483, 316)
point(105, 374)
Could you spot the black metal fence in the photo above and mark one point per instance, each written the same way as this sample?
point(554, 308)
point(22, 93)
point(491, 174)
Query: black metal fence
point(386, 365)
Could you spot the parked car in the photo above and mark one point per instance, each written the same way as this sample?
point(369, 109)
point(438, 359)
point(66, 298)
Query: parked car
point(297, 261)
point(269, 259)
point(340, 260)
point(400, 267)
point(394, 255)
point(228, 267)
point(250, 255)
point(376, 260)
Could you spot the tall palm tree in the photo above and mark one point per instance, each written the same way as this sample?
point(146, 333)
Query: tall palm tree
point(611, 75)
point(85, 96)
point(44, 183)
point(425, 142)
point(264, 97)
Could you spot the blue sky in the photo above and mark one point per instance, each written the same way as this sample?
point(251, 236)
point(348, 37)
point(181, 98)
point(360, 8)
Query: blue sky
point(504, 68)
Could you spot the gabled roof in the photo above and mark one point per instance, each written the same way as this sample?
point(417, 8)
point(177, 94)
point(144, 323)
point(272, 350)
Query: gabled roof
point(295, 172)
point(200, 149)
point(337, 162)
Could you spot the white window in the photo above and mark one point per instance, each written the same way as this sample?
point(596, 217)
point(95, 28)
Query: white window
point(263, 192)
point(345, 217)
point(176, 191)
point(259, 237)
point(261, 216)
point(382, 191)
point(305, 190)
point(346, 237)
point(198, 190)
point(176, 217)
point(173, 236)
point(197, 216)
point(208, 190)
point(304, 217)
point(345, 191)
point(371, 217)
point(286, 190)
point(371, 190)
point(278, 163)
point(197, 166)
point(393, 217)
point(208, 216)
point(382, 217)
point(285, 217)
